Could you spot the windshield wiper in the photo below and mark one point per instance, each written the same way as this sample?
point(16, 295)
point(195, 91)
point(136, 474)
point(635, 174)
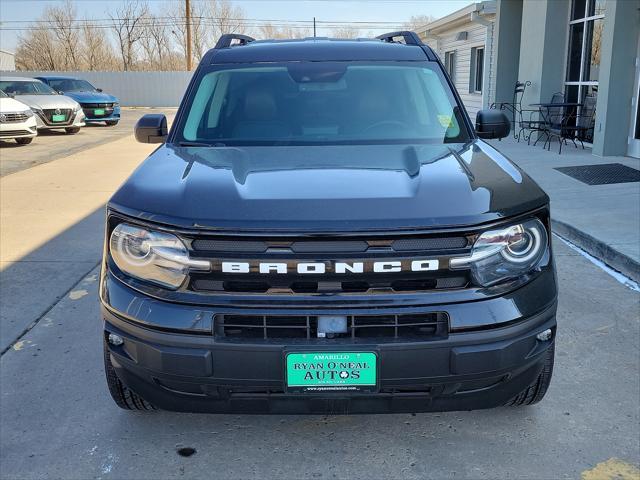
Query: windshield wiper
point(198, 144)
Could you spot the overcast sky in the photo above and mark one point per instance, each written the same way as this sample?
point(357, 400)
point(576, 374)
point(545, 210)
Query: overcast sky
point(332, 10)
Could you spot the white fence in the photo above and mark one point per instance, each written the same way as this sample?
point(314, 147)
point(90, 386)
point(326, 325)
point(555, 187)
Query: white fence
point(133, 89)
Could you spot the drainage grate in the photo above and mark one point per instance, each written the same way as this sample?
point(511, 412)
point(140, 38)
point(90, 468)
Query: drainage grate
point(604, 174)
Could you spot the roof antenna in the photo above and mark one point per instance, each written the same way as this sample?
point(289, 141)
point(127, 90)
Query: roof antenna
point(314, 27)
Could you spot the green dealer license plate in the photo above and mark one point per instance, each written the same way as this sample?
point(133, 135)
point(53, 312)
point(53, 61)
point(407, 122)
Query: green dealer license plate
point(98, 111)
point(319, 372)
point(58, 118)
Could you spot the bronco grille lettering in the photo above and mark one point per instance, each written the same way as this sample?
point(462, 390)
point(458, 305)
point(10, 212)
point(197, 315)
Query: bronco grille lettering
point(318, 268)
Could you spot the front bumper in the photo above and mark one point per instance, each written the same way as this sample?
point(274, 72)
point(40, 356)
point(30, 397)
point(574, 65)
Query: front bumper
point(91, 118)
point(78, 120)
point(24, 129)
point(196, 372)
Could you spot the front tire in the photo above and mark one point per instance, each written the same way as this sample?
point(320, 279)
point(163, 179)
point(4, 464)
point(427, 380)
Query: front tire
point(124, 397)
point(536, 391)
point(72, 131)
point(111, 123)
point(24, 141)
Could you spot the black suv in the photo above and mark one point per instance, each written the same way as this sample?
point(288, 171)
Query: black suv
point(322, 231)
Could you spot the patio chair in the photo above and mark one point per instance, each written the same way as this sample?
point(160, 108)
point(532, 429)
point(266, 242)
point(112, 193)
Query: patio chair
point(586, 119)
point(517, 113)
point(557, 123)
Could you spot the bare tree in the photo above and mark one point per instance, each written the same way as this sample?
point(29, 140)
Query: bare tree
point(269, 31)
point(199, 29)
point(62, 23)
point(209, 20)
point(127, 22)
point(226, 18)
point(37, 51)
point(347, 31)
point(417, 22)
point(155, 43)
point(96, 54)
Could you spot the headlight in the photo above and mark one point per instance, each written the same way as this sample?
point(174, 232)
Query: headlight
point(506, 253)
point(29, 113)
point(152, 256)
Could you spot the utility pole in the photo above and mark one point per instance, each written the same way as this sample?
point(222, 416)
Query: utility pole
point(187, 17)
point(314, 27)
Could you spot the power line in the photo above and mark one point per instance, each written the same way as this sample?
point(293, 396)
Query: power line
point(206, 17)
point(309, 24)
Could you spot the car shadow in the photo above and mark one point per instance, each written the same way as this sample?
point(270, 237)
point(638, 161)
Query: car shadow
point(38, 280)
point(10, 144)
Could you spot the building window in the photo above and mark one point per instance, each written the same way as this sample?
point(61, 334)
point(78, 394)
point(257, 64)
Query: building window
point(477, 70)
point(583, 56)
point(450, 64)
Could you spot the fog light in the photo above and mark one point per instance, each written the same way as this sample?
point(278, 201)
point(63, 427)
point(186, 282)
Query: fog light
point(544, 336)
point(115, 339)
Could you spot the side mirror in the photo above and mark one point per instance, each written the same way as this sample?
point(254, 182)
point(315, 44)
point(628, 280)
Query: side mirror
point(492, 124)
point(151, 128)
point(99, 90)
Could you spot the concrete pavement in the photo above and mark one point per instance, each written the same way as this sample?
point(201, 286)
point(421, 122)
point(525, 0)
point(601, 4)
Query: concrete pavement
point(59, 422)
point(55, 144)
point(51, 227)
point(604, 220)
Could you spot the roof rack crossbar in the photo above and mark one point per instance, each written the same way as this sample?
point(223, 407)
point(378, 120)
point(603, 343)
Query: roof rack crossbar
point(410, 38)
point(225, 40)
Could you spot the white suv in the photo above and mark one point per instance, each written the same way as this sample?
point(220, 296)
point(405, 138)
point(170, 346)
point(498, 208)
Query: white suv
point(17, 121)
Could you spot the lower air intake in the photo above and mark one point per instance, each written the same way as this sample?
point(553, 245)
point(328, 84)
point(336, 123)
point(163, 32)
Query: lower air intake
point(419, 326)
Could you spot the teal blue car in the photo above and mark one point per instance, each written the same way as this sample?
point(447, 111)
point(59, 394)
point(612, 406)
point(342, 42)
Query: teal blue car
point(97, 106)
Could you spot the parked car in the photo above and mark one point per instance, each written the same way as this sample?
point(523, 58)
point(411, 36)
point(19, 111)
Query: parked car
point(96, 105)
point(53, 111)
point(17, 121)
point(324, 231)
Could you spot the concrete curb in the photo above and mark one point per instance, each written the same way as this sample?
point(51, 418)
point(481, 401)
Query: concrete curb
point(616, 260)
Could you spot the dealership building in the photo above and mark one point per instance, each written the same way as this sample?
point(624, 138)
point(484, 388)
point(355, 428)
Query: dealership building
point(583, 48)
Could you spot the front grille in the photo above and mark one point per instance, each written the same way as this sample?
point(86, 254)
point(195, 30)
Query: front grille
point(97, 105)
point(89, 109)
point(308, 286)
point(11, 133)
point(420, 326)
point(328, 246)
point(49, 113)
point(13, 117)
point(328, 251)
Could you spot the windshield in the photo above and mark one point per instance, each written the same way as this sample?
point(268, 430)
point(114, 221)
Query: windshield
point(3, 95)
point(323, 103)
point(71, 85)
point(19, 87)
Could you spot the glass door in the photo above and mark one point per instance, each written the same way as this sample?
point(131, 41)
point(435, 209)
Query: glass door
point(634, 134)
point(583, 59)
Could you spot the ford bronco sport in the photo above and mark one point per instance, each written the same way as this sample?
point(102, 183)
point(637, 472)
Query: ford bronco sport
point(323, 231)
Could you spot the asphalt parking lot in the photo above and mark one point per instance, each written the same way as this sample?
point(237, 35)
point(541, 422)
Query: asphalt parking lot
point(54, 144)
point(59, 422)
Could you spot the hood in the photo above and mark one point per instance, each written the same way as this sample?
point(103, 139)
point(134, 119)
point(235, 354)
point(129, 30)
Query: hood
point(327, 188)
point(91, 97)
point(8, 105)
point(47, 101)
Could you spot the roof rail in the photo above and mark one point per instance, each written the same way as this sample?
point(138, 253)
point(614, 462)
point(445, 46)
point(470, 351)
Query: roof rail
point(225, 40)
point(410, 38)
